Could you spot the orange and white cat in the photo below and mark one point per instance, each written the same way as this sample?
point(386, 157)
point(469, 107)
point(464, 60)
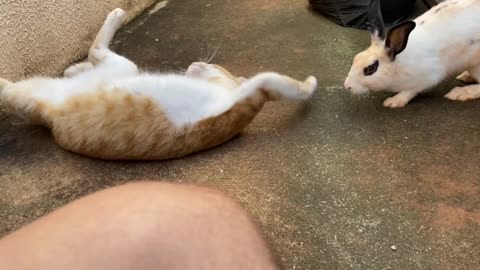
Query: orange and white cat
point(106, 108)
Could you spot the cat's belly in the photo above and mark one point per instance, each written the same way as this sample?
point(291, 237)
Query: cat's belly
point(123, 126)
point(184, 101)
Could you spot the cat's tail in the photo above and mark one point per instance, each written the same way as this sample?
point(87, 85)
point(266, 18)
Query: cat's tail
point(3, 83)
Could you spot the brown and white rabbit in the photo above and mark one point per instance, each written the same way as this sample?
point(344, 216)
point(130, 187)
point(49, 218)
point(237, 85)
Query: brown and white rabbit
point(417, 55)
point(106, 108)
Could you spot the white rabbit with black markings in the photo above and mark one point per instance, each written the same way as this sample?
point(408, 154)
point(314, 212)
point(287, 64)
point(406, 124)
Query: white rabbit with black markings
point(415, 56)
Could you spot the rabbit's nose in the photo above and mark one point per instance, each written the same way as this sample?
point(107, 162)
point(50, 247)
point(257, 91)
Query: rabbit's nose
point(348, 86)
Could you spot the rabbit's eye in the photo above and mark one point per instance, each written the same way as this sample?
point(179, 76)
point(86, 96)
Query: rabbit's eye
point(371, 69)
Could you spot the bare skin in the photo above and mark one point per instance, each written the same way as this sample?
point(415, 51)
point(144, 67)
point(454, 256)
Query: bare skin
point(141, 226)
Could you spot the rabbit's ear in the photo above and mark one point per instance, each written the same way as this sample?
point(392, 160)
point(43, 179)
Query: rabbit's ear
point(375, 19)
point(397, 38)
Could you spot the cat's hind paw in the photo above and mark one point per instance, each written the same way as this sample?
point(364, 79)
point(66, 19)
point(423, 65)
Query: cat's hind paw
point(116, 17)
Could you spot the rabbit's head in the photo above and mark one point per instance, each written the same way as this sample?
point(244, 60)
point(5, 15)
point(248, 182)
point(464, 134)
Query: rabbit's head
point(374, 69)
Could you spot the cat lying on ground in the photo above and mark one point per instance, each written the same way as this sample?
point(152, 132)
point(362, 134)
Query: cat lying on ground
point(106, 108)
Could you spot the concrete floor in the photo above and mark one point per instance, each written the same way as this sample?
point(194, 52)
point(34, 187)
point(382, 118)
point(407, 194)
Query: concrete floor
point(334, 182)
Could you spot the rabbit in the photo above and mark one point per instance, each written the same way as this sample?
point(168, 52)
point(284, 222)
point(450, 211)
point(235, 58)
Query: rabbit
point(107, 108)
point(414, 56)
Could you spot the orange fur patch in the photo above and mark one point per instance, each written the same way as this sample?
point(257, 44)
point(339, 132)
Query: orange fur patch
point(118, 125)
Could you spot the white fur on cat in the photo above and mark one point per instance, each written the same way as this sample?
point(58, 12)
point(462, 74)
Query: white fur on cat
point(185, 99)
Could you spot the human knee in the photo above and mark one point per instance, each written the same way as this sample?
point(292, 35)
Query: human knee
point(192, 223)
point(158, 206)
point(182, 197)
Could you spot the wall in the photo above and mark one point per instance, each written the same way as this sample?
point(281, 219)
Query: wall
point(44, 36)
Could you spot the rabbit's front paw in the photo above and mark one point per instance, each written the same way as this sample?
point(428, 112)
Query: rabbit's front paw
point(399, 100)
point(395, 102)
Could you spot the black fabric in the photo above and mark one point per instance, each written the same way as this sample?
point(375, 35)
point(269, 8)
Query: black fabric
point(431, 3)
point(353, 13)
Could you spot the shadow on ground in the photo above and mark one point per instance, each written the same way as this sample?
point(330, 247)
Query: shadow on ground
point(335, 182)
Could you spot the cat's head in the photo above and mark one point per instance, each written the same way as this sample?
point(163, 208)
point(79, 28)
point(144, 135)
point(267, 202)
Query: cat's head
point(213, 73)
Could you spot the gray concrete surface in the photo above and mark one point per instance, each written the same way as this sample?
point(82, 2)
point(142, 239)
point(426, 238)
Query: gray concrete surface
point(334, 182)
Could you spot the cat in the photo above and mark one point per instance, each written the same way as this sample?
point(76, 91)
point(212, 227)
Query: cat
point(106, 108)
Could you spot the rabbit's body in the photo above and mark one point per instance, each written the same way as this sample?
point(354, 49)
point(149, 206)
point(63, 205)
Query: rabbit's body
point(442, 42)
point(445, 41)
point(106, 108)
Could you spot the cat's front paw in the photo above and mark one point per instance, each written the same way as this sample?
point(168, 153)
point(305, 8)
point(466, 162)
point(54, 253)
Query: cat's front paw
point(309, 85)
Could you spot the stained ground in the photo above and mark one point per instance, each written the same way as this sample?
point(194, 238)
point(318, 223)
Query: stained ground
point(335, 182)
